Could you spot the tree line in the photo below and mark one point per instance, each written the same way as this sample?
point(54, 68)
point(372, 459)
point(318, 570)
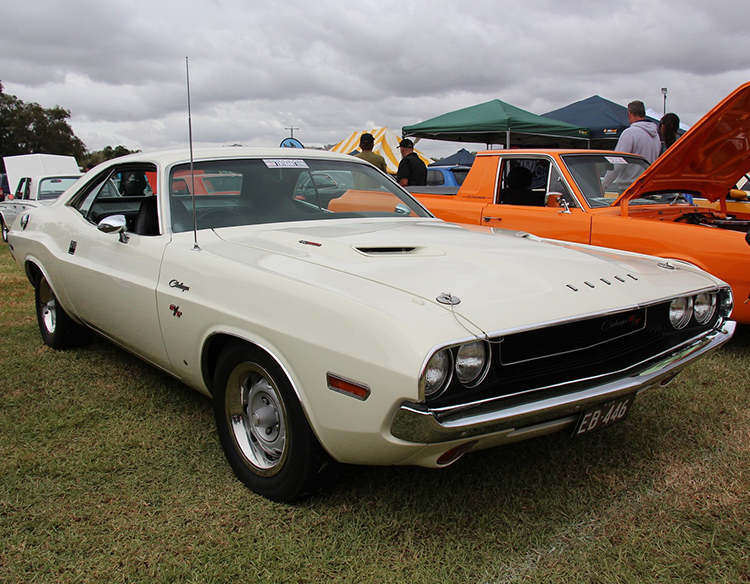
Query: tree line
point(29, 128)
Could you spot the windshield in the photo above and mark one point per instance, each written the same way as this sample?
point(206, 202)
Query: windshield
point(51, 188)
point(272, 190)
point(602, 178)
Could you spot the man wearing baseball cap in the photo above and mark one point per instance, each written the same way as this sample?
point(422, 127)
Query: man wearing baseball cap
point(411, 170)
point(366, 144)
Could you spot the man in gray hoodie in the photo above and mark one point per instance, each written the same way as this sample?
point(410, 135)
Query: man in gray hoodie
point(642, 137)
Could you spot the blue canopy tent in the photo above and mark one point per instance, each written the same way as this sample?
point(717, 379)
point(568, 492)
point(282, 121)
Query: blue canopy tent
point(461, 158)
point(605, 119)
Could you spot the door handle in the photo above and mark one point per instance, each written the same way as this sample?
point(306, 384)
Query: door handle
point(488, 219)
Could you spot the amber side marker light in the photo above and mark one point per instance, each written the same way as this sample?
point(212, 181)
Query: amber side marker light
point(348, 387)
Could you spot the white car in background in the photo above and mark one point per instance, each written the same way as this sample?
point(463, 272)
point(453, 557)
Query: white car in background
point(35, 179)
point(358, 329)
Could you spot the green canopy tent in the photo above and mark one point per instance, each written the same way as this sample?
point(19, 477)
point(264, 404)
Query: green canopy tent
point(497, 122)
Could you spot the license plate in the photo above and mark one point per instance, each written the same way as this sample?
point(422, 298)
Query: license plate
point(603, 415)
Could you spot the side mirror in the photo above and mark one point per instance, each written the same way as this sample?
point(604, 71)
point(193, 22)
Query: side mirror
point(402, 209)
point(737, 195)
point(555, 199)
point(114, 224)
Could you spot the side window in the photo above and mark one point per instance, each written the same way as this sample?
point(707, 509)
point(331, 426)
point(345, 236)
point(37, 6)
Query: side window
point(435, 178)
point(557, 186)
point(102, 186)
point(123, 191)
point(22, 192)
point(523, 181)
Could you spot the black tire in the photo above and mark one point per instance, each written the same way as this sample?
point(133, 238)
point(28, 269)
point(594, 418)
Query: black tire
point(263, 430)
point(58, 330)
point(4, 229)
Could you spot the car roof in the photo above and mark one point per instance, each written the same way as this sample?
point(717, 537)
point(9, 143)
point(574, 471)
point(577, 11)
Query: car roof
point(182, 156)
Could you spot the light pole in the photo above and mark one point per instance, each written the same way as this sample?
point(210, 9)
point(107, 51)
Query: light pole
point(664, 93)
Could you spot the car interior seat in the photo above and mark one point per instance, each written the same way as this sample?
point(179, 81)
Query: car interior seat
point(517, 189)
point(147, 220)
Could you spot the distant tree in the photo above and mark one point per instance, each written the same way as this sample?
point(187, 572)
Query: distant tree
point(28, 128)
point(107, 153)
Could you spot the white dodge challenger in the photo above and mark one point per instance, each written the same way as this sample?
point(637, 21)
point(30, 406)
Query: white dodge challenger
point(331, 318)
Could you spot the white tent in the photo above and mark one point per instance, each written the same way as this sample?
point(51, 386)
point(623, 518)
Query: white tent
point(386, 144)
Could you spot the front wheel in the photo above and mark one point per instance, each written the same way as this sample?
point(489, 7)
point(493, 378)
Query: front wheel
point(58, 330)
point(4, 229)
point(263, 430)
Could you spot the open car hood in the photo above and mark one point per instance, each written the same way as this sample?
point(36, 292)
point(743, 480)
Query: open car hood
point(709, 159)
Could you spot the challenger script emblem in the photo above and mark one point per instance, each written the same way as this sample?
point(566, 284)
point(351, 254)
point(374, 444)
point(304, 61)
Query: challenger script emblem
point(180, 285)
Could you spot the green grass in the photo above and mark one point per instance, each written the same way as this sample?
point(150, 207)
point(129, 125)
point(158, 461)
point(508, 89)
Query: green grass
point(112, 472)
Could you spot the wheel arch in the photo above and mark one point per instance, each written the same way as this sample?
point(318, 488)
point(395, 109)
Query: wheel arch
point(33, 270)
point(217, 342)
point(213, 348)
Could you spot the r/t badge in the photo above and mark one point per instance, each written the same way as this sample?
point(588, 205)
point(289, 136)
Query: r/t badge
point(175, 310)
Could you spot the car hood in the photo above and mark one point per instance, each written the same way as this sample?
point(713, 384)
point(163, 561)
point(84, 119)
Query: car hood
point(708, 159)
point(498, 277)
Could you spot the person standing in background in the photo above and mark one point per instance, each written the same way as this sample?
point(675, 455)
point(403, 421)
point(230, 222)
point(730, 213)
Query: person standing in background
point(411, 170)
point(668, 127)
point(642, 137)
point(366, 144)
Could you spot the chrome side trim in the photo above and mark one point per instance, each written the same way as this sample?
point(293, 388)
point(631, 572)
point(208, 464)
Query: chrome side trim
point(414, 422)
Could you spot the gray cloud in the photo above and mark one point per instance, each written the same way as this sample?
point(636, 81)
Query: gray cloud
point(329, 67)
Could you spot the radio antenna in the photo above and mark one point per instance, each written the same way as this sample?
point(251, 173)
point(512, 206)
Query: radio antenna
point(196, 247)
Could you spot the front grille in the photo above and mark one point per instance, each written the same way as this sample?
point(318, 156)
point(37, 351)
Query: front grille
point(555, 357)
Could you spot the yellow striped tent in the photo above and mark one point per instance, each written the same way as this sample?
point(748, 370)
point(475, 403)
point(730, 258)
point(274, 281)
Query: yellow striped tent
point(386, 144)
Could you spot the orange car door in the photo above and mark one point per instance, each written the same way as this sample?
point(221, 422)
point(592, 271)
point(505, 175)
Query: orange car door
point(551, 222)
point(536, 208)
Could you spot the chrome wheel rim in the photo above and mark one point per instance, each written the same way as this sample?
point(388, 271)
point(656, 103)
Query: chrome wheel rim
point(47, 306)
point(257, 418)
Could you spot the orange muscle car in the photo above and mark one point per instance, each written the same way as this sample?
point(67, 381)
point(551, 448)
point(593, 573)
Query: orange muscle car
point(616, 200)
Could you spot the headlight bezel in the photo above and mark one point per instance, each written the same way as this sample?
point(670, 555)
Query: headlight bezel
point(684, 314)
point(480, 369)
point(448, 367)
point(453, 377)
point(703, 318)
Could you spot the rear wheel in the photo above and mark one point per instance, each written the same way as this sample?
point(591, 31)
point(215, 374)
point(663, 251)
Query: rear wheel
point(58, 330)
point(263, 430)
point(4, 229)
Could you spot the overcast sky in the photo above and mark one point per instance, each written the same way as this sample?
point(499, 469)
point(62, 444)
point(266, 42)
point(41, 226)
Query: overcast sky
point(328, 68)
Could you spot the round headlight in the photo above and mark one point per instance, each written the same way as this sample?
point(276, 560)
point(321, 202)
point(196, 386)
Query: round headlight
point(436, 376)
point(704, 307)
point(470, 361)
point(680, 312)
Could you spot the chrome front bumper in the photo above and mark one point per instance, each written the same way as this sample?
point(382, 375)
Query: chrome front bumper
point(414, 422)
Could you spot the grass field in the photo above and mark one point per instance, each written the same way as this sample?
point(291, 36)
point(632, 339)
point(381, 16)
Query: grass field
point(112, 472)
